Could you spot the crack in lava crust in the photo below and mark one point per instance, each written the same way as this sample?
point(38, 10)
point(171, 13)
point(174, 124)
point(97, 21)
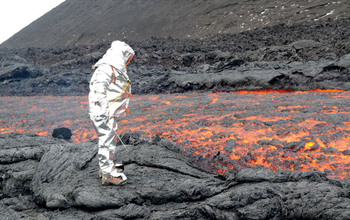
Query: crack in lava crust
point(304, 130)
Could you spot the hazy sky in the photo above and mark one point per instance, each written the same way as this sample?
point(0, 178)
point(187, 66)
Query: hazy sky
point(17, 14)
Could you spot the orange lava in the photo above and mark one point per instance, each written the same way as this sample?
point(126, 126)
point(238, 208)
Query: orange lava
point(303, 130)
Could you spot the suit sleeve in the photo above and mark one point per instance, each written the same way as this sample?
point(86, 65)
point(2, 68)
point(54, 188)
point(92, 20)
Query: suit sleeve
point(98, 90)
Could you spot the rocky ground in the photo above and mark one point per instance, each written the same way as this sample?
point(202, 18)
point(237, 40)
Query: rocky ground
point(45, 178)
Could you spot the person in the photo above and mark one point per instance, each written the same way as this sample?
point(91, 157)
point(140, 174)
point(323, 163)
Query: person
point(109, 96)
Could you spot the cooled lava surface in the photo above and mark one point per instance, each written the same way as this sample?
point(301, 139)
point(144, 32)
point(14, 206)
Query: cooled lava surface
point(279, 130)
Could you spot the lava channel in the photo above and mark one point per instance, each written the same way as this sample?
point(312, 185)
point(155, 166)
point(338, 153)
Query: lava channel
point(300, 130)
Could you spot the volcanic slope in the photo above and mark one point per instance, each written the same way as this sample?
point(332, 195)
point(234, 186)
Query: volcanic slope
point(96, 21)
point(300, 57)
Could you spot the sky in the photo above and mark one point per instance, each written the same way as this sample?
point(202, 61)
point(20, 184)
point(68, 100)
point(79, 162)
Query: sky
point(17, 14)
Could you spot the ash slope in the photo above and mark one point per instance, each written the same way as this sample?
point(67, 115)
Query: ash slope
point(43, 178)
point(92, 22)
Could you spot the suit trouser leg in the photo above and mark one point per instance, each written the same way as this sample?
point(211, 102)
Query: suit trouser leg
point(106, 144)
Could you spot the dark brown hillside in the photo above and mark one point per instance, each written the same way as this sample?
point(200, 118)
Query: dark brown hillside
point(96, 21)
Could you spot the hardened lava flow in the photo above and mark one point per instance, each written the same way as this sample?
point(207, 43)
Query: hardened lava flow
point(288, 130)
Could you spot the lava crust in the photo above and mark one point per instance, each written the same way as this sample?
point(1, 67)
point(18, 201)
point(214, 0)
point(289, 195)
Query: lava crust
point(52, 174)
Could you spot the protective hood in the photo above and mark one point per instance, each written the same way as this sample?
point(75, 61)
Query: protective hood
point(119, 55)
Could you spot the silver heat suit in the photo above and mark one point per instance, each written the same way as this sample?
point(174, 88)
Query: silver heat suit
point(109, 97)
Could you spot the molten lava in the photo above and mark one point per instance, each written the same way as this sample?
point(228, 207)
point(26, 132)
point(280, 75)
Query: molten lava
point(304, 130)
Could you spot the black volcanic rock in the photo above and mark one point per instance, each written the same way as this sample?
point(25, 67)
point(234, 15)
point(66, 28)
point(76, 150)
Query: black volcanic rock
point(223, 71)
point(62, 133)
point(162, 184)
point(15, 68)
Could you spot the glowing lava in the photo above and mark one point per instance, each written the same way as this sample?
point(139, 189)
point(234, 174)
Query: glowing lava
point(304, 130)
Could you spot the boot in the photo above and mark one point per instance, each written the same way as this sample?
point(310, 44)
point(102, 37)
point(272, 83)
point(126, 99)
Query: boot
point(118, 167)
point(114, 180)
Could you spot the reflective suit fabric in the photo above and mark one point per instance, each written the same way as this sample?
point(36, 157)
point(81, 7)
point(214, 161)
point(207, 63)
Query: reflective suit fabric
point(109, 96)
